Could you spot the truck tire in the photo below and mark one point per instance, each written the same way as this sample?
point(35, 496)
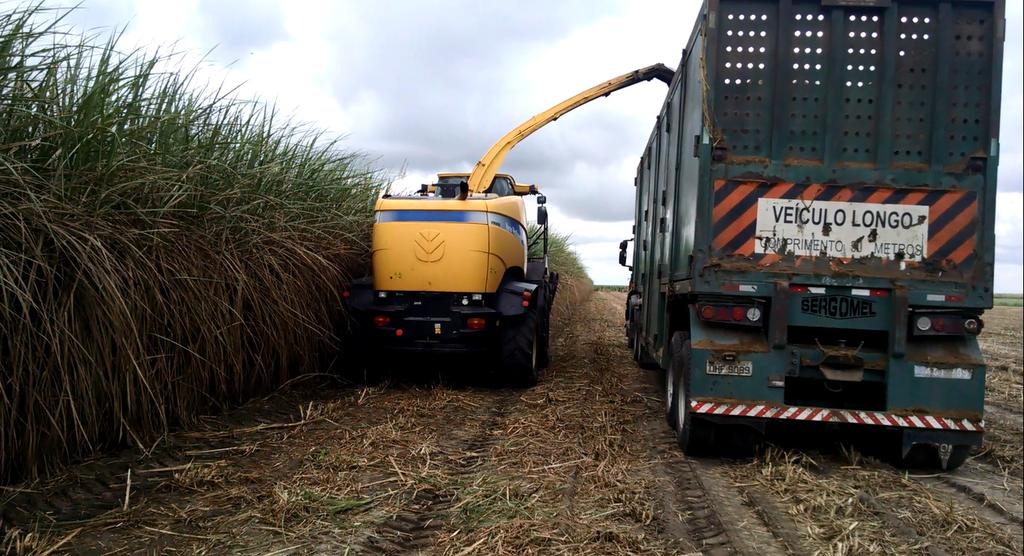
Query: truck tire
point(926, 457)
point(672, 374)
point(630, 329)
point(694, 436)
point(520, 350)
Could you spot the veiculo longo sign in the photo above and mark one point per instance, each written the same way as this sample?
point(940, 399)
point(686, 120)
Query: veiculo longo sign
point(841, 229)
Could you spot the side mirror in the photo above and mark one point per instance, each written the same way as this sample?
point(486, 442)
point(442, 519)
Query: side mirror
point(541, 200)
point(542, 215)
point(622, 252)
point(623, 244)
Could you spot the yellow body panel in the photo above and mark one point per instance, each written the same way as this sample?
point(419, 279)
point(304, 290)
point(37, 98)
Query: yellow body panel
point(446, 245)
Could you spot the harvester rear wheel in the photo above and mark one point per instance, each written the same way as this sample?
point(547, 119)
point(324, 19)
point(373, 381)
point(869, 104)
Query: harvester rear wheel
point(544, 346)
point(520, 350)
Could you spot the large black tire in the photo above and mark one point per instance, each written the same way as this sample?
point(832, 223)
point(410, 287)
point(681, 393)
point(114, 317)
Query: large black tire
point(672, 377)
point(694, 436)
point(520, 350)
point(926, 457)
point(544, 360)
point(630, 329)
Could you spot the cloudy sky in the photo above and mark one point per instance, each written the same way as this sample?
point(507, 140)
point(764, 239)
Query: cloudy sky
point(423, 87)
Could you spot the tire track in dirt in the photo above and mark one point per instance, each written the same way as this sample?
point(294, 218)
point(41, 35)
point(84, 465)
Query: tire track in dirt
point(717, 515)
point(992, 494)
point(413, 529)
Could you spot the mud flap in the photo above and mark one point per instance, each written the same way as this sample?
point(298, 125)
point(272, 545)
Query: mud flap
point(510, 297)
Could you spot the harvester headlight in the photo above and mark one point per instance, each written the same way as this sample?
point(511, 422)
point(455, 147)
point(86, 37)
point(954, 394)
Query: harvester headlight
point(465, 300)
point(753, 314)
point(382, 294)
point(924, 324)
point(478, 297)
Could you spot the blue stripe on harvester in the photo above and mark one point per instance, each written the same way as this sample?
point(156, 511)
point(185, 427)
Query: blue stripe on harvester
point(510, 225)
point(467, 216)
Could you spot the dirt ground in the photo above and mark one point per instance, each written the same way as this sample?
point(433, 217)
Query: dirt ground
point(581, 464)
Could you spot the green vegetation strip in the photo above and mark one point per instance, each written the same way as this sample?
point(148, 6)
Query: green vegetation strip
point(1008, 300)
point(165, 249)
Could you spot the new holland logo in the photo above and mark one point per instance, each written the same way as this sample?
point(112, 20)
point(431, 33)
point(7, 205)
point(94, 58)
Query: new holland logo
point(837, 307)
point(429, 246)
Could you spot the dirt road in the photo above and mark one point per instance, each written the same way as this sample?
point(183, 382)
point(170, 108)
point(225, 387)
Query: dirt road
point(581, 464)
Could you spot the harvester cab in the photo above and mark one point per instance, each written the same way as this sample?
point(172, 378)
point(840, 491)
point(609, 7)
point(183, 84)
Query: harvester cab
point(452, 265)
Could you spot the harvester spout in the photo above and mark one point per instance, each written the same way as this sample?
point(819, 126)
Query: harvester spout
point(490, 163)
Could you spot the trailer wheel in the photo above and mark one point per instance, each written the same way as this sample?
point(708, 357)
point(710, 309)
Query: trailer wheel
point(630, 329)
point(675, 369)
point(520, 350)
point(694, 436)
point(927, 456)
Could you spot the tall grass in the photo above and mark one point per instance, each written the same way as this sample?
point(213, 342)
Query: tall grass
point(575, 285)
point(165, 249)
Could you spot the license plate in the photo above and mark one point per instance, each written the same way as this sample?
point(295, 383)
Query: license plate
point(731, 368)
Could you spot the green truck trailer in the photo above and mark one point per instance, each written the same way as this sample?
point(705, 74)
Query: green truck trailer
point(813, 238)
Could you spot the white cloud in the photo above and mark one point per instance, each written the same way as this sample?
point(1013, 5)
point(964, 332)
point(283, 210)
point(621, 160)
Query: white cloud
point(426, 87)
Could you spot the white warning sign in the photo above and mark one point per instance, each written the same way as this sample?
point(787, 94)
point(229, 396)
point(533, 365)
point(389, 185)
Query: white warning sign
point(841, 229)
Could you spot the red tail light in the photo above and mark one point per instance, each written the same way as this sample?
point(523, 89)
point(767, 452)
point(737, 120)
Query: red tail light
point(476, 323)
point(747, 314)
point(944, 324)
point(382, 320)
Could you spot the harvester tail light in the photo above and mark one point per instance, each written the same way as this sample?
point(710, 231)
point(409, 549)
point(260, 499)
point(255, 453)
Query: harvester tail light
point(476, 323)
point(381, 320)
point(346, 294)
point(527, 296)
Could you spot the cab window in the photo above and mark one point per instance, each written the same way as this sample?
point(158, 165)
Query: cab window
point(501, 186)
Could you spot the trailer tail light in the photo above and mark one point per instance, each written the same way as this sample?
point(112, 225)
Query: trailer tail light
point(476, 323)
point(735, 314)
point(381, 320)
point(944, 324)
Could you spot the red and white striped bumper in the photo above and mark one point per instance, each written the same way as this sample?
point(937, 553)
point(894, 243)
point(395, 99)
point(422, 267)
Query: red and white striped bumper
point(795, 413)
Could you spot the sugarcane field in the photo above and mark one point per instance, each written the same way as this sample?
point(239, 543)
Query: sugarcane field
point(285, 278)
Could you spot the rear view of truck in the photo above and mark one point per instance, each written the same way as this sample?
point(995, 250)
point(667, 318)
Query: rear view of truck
point(814, 221)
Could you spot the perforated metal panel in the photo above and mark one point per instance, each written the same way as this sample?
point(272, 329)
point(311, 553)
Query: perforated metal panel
point(744, 86)
point(916, 53)
point(900, 85)
point(970, 80)
point(860, 85)
point(807, 50)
